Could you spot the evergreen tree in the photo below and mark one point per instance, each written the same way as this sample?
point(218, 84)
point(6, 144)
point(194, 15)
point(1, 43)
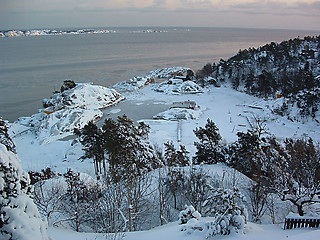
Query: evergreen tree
point(174, 183)
point(244, 154)
point(226, 206)
point(170, 154)
point(92, 141)
point(209, 149)
point(182, 156)
point(77, 202)
point(129, 154)
point(5, 138)
point(175, 158)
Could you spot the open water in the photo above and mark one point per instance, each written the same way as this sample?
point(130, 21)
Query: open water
point(31, 68)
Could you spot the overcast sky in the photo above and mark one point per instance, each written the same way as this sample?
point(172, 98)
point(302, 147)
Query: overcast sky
point(283, 14)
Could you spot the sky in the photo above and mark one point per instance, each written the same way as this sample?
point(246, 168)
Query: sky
point(275, 14)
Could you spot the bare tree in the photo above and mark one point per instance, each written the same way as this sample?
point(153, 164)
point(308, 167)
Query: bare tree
point(259, 125)
point(258, 196)
point(47, 196)
point(299, 181)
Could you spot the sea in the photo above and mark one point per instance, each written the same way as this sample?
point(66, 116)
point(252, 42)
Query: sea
point(33, 67)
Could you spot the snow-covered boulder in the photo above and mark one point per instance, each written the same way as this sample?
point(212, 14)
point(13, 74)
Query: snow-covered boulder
point(19, 217)
point(84, 96)
point(178, 86)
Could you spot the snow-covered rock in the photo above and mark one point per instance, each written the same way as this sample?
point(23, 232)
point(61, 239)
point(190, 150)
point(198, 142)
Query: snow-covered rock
point(73, 108)
point(168, 72)
point(178, 86)
point(84, 96)
point(133, 83)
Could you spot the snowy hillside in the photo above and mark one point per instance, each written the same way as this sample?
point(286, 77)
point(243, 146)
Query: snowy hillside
point(83, 96)
point(231, 110)
point(288, 70)
point(47, 140)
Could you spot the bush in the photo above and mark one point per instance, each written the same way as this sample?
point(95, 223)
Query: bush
point(187, 214)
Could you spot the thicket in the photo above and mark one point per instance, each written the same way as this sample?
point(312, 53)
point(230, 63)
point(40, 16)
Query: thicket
point(290, 168)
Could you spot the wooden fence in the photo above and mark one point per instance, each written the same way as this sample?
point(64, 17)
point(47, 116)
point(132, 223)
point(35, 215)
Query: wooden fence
point(301, 223)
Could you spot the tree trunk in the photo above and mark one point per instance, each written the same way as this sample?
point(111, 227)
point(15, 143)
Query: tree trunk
point(160, 199)
point(300, 211)
point(104, 166)
point(130, 219)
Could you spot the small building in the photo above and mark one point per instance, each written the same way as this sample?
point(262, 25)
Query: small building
point(186, 104)
point(183, 78)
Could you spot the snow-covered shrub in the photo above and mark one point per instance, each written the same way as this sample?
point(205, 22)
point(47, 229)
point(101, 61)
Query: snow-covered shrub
point(229, 215)
point(19, 217)
point(224, 214)
point(44, 174)
point(5, 138)
point(187, 214)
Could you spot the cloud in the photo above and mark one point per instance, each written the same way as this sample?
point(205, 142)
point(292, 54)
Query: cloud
point(246, 6)
point(250, 13)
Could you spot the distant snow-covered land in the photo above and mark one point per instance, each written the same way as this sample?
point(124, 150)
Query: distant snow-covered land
point(41, 32)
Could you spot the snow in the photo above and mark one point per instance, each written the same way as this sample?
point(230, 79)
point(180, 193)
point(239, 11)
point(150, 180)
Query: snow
point(47, 141)
point(84, 96)
point(178, 86)
point(168, 72)
point(179, 113)
point(231, 111)
point(133, 83)
point(171, 231)
point(71, 109)
point(19, 215)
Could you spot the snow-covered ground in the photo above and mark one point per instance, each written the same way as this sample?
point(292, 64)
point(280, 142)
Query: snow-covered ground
point(232, 111)
point(172, 231)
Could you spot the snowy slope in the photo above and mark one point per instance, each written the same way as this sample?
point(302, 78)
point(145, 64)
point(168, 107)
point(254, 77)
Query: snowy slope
point(232, 111)
point(172, 231)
